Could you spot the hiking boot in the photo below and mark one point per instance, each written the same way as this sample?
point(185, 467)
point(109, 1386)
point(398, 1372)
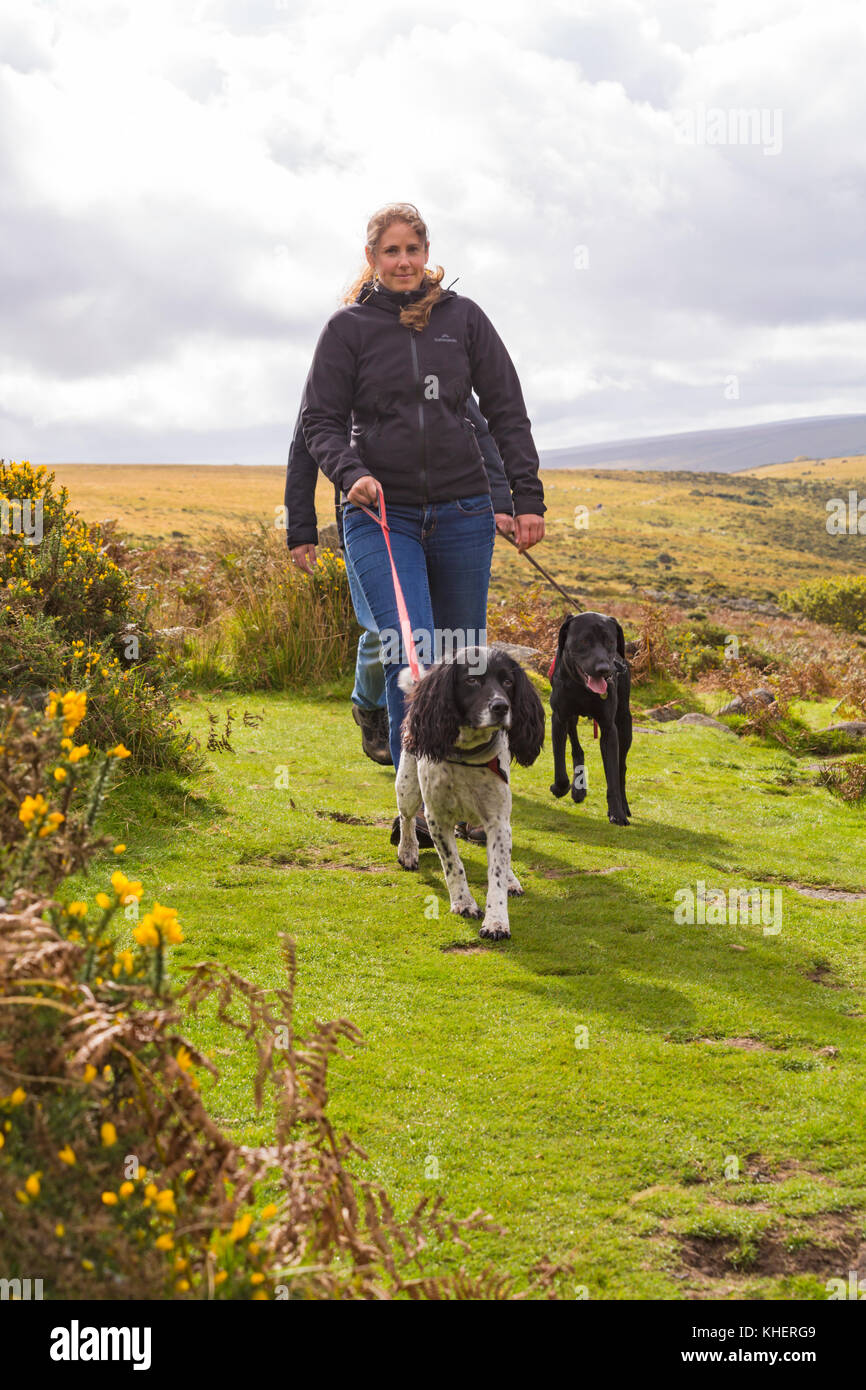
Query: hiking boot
point(373, 724)
point(476, 834)
point(425, 839)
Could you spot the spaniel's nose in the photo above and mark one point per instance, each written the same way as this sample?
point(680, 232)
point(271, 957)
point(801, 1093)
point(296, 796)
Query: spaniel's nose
point(499, 707)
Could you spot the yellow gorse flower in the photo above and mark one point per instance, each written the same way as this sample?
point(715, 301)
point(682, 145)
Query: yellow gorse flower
point(31, 808)
point(108, 1134)
point(52, 821)
point(160, 924)
point(146, 933)
point(66, 1154)
point(124, 887)
point(241, 1227)
point(123, 962)
point(165, 918)
point(73, 706)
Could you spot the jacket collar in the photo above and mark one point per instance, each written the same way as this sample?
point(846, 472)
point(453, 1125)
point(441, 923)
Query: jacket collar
point(392, 301)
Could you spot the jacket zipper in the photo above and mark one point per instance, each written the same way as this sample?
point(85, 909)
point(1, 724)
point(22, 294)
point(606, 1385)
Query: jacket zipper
point(422, 435)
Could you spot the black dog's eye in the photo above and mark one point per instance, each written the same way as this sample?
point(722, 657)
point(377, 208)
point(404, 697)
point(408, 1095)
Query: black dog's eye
point(508, 681)
point(473, 680)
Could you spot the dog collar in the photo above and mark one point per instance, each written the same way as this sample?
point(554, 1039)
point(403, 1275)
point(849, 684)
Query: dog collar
point(479, 758)
point(494, 764)
point(482, 751)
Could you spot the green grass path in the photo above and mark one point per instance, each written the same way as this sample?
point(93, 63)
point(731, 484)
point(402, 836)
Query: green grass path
point(613, 1153)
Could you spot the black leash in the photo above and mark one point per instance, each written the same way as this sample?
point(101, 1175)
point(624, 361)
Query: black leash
point(526, 555)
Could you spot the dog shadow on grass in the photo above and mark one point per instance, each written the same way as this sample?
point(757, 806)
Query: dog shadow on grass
point(580, 828)
point(603, 944)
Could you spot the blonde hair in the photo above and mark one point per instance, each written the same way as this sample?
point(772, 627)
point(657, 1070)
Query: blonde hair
point(416, 315)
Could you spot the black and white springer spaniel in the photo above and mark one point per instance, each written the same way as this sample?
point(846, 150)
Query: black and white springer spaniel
point(467, 719)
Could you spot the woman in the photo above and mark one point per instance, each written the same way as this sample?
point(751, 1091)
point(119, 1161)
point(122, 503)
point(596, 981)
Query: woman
point(401, 359)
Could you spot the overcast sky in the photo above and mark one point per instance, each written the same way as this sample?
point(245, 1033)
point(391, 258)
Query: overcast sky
point(185, 186)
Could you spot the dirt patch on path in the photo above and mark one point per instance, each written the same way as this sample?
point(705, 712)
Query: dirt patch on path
point(834, 1248)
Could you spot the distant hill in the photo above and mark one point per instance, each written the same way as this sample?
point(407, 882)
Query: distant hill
point(725, 450)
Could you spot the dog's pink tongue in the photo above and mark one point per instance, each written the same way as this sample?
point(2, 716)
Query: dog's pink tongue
point(597, 684)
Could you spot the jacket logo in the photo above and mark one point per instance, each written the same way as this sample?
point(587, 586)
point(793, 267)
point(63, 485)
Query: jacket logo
point(444, 339)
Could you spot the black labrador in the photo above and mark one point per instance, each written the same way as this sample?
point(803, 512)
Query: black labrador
point(591, 677)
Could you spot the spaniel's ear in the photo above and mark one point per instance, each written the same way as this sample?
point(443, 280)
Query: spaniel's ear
point(432, 722)
point(620, 637)
point(526, 735)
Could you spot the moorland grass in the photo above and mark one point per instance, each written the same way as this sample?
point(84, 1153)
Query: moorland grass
point(707, 533)
point(473, 1080)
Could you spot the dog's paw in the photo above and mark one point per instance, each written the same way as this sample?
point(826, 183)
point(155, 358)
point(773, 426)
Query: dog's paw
point(559, 788)
point(617, 818)
point(514, 888)
point(495, 931)
point(408, 861)
point(466, 909)
point(578, 784)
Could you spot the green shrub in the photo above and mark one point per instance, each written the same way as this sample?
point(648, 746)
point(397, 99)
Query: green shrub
point(278, 628)
point(838, 602)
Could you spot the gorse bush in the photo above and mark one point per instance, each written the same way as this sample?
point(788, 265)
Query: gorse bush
point(839, 602)
point(115, 1181)
point(61, 570)
point(51, 787)
point(70, 617)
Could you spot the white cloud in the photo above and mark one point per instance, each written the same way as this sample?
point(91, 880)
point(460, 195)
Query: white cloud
point(186, 188)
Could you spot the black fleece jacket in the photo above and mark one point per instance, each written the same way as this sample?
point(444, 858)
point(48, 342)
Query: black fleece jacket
point(302, 473)
point(406, 391)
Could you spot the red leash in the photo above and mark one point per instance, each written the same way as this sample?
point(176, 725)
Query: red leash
point(403, 612)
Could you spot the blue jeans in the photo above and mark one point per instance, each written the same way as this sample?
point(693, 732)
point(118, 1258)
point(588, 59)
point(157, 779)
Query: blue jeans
point(369, 689)
point(443, 554)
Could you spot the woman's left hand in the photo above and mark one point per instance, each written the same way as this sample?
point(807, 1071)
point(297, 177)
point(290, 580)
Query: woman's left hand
point(528, 530)
point(504, 523)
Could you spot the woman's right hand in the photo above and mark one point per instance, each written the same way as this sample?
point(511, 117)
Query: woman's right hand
point(364, 491)
point(304, 557)
point(528, 530)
